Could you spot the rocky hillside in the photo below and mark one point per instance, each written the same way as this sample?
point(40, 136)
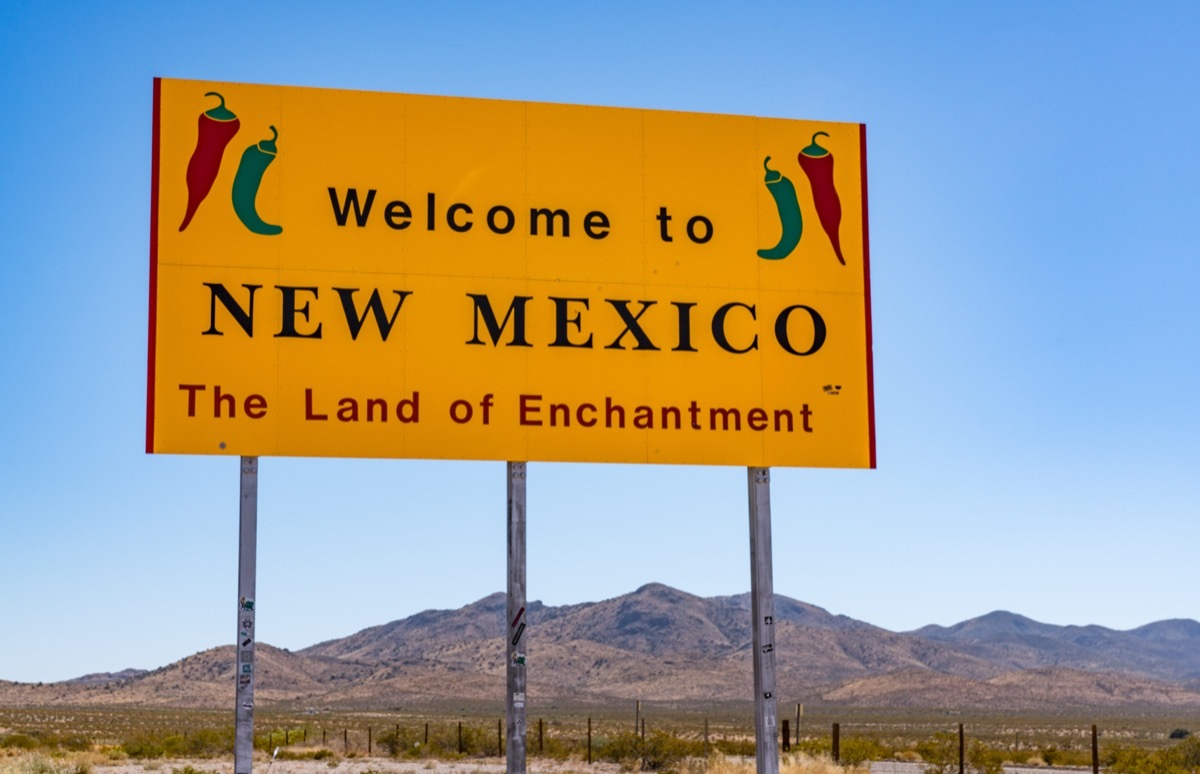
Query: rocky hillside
point(665, 645)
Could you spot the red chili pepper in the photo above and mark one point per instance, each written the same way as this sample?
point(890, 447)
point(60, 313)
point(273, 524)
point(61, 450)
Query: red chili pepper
point(817, 164)
point(216, 127)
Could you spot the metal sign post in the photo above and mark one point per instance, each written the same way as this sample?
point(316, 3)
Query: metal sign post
point(762, 606)
point(243, 745)
point(515, 757)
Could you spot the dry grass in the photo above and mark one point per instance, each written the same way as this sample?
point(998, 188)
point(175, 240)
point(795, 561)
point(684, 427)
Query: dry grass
point(41, 763)
point(789, 764)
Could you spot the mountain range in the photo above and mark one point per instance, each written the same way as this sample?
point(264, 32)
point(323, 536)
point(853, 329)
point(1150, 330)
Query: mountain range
point(664, 645)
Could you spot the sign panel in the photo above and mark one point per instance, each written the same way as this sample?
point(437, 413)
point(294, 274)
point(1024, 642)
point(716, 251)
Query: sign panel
point(341, 273)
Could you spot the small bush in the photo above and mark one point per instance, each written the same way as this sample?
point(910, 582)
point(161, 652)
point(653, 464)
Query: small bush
point(19, 742)
point(1183, 758)
point(143, 747)
point(1179, 733)
point(659, 751)
point(940, 753)
point(734, 747)
point(813, 748)
point(858, 750)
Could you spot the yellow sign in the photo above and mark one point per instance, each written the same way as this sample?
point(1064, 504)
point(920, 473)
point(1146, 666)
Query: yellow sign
point(354, 274)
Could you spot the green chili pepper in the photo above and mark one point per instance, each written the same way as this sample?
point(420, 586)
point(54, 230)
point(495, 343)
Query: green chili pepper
point(255, 161)
point(792, 224)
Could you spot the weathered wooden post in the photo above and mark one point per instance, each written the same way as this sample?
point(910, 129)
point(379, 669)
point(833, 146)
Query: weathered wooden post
point(962, 747)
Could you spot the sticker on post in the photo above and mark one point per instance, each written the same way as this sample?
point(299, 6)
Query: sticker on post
point(243, 682)
point(518, 659)
point(519, 696)
point(247, 668)
point(247, 604)
point(248, 705)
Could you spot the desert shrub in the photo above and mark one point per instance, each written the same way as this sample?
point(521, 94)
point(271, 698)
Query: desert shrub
point(73, 743)
point(143, 747)
point(940, 753)
point(1183, 758)
point(814, 747)
point(403, 743)
point(201, 743)
point(561, 748)
point(734, 747)
point(477, 740)
point(18, 742)
point(857, 750)
point(113, 753)
point(659, 751)
point(1179, 733)
point(983, 759)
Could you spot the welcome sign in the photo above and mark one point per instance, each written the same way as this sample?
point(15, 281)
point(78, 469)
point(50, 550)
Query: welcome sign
point(341, 273)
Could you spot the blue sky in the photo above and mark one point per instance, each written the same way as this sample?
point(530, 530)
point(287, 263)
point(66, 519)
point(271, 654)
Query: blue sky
point(1033, 177)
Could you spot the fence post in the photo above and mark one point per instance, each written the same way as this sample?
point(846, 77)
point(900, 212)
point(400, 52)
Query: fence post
point(345, 741)
point(962, 746)
point(589, 741)
point(322, 736)
point(427, 733)
point(837, 743)
point(369, 741)
point(1095, 751)
point(787, 736)
point(500, 736)
point(539, 736)
point(460, 747)
point(287, 737)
